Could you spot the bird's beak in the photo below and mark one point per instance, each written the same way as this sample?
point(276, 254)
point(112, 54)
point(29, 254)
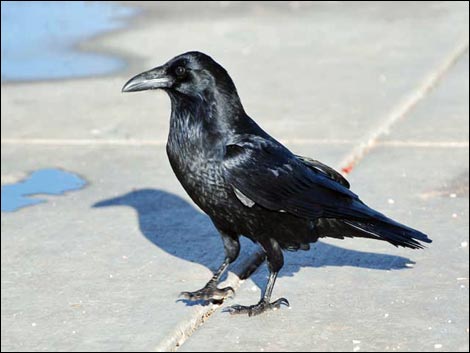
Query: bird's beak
point(152, 79)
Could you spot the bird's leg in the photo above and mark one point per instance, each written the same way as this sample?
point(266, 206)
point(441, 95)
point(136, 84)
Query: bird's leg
point(275, 262)
point(210, 290)
point(264, 304)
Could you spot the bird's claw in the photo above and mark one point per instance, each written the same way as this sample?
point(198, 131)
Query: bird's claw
point(257, 309)
point(209, 293)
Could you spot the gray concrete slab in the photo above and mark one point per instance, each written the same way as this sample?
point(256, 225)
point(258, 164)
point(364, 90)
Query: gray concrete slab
point(351, 64)
point(360, 294)
point(106, 278)
point(76, 277)
point(451, 123)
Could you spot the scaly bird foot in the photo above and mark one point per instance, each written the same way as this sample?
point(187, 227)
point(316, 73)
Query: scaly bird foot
point(209, 292)
point(257, 309)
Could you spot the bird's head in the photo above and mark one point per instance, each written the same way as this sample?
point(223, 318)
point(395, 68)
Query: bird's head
point(192, 74)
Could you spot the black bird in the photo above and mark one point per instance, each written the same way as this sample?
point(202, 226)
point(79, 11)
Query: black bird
point(250, 184)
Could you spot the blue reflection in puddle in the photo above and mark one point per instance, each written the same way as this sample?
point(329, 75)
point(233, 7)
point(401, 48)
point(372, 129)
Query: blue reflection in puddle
point(39, 38)
point(44, 181)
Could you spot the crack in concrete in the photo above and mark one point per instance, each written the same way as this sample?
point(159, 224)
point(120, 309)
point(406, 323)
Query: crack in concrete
point(403, 108)
point(142, 143)
point(188, 326)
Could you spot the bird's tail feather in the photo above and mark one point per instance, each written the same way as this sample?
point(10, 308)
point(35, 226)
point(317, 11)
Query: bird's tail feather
point(396, 233)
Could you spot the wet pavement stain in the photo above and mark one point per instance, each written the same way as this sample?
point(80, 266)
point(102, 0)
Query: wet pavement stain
point(40, 38)
point(40, 182)
point(456, 187)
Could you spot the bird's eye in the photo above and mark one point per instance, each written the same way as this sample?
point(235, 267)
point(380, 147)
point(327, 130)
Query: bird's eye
point(180, 71)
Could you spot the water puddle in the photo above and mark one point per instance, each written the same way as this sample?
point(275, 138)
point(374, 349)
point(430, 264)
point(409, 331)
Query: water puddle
point(43, 181)
point(40, 38)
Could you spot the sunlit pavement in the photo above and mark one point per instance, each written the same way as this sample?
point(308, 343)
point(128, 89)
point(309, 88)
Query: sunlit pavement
point(382, 85)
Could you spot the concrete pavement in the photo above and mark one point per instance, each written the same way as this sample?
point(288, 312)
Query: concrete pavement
point(323, 77)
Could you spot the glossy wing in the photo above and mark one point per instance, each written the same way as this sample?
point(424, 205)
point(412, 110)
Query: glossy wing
point(319, 167)
point(271, 176)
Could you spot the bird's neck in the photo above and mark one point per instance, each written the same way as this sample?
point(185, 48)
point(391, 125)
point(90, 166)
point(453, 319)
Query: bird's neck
point(214, 112)
point(194, 130)
point(209, 122)
point(201, 127)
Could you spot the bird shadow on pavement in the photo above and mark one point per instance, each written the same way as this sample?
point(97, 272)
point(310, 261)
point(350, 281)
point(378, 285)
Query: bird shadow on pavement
point(177, 227)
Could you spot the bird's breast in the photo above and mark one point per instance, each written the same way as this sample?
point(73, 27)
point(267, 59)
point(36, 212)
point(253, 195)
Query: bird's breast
point(198, 169)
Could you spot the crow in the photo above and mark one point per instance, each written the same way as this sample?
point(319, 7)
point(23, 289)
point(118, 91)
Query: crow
point(248, 183)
